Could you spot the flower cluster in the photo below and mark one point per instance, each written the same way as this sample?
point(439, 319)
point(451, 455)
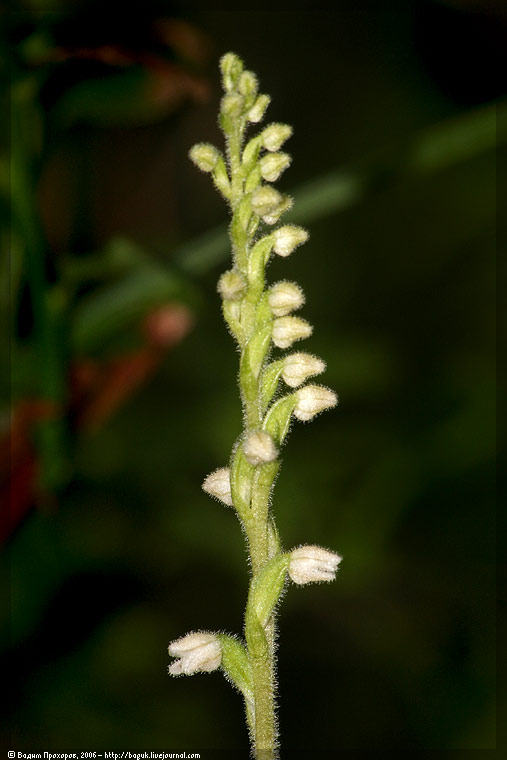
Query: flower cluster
point(273, 390)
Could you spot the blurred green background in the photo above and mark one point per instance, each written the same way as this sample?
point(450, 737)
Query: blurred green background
point(123, 375)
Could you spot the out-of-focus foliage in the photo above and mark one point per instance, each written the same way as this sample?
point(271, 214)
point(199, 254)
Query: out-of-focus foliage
point(394, 175)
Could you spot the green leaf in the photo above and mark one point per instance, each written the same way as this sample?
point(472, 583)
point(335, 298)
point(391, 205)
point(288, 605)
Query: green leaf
point(265, 591)
point(270, 378)
point(241, 481)
point(278, 418)
point(115, 307)
point(236, 664)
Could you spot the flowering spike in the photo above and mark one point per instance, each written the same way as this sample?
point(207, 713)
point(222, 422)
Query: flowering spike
point(259, 317)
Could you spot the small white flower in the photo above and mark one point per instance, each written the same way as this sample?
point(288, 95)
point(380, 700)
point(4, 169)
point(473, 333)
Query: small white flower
point(274, 136)
point(285, 297)
point(218, 484)
point(287, 238)
point(257, 111)
point(266, 200)
point(273, 164)
point(259, 448)
point(204, 156)
point(312, 399)
point(196, 652)
point(274, 215)
point(310, 564)
point(299, 367)
point(286, 330)
point(231, 286)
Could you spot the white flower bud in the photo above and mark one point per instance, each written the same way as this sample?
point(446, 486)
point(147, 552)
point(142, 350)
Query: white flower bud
point(231, 66)
point(231, 286)
point(266, 200)
point(310, 564)
point(299, 367)
point(287, 238)
point(285, 297)
point(286, 330)
point(313, 399)
point(204, 156)
point(273, 216)
point(274, 136)
point(218, 484)
point(257, 111)
point(197, 652)
point(259, 448)
point(273, 164)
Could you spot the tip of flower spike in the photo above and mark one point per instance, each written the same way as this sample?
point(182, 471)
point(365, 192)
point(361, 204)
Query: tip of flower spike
point(231, 67)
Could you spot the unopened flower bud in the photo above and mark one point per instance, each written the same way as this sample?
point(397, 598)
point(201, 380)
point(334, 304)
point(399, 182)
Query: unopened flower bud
point(232, 104)
point(287, 238)
point(204, 156)
point(218, 484)
point(312, 399)
point(273, 164)
point(311, 564)
point(259, 448)
point(266, 200)
point(274, 136)
point(231, 286)
point(257, 111)
point(196, 652)
point(299, 367)
point(231, 66)
point(248, 85)
point(273, 216)
point(285, 297)
point(286, 330)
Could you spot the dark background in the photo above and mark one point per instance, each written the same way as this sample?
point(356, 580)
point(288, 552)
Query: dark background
point(112, 549)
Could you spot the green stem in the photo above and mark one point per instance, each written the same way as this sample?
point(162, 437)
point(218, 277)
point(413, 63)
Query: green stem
point(264, 724)
point(47, 304)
